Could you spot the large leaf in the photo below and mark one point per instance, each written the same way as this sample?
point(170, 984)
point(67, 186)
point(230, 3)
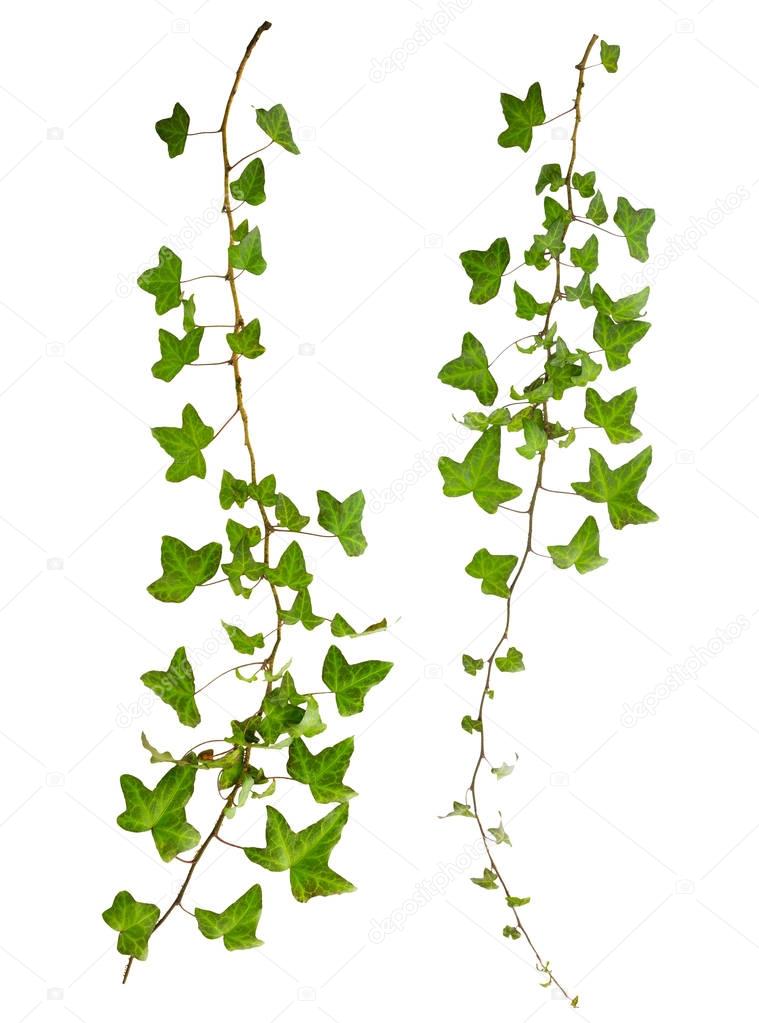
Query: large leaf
point(135, 922)
point(614, 415)
point(494, 570)
point(323, 772)
point(522, 115)
point(173, 130)
point(185, 444)
point(176, 687)
point(184, 569)
point(343, 520)
point(351, 682)
point(163, 281)
point(161, 810)
point(470, 371)
point(617, 339)
point(291, 570)
point(236, 924)
point(485, 268)
point(304, 853)
point(634, 225)
point(581, 551)
point(618, 488)
point(478, 474)
point(276, 124)
point(176, 353)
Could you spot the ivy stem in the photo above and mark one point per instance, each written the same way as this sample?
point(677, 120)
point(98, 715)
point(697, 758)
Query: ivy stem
point(542, 964)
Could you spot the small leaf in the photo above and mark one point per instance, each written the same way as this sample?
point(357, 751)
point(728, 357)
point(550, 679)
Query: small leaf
point(485, 268)
point(232, 491)
point(173, 130)
point(513, 661)
point(459, 810)
point(176, 353)
point(241, 641)
point(236, 924)
point(161, 810)
point(249, 187)
point(584, 183)
point(581, 292)
point(472, 665)
point(135, 922)
point(511, 932)
point(184, 444)
point(581, 551)
point(609, 56)
point(265, 491)
point(343, 520)
point(614, 416)
point(247, 254)
point(184, 569)
point(618, 488)
point(586, 258)
point(470, 372)
point(291, 570)
point(514, 903)
point(247, 341)
point(288, 515)
point(502, 771)
point(323, 772)
point(521, 117)
point(478, 474)
point(304, 853)
point(597, 211)
point(634, 225)
point(276, 124)
point(301, 612)
point(499, 835)
point(494, 570)
point(470, 724)
point(351, 682)
point(631, 306)
point(341, 628)
point(617, 339)
point(188, 314)
point(162, 281)
point(527, 306)
point(488, 880)
point(176, 687)
point(550, 174)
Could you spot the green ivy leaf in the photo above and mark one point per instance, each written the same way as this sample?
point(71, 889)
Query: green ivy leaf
point(241, 539)
point(135, 922)
point(163, 281)
point(343, 520)
point(173, 130)
point(511, 932)
point(184, 569)
point(323, 772)
point(550, 174)
point(618, 488)
point(188, 314)
point(521, 117)
point(478, 474)
point(513, 661)
point(597, 211)
point(614, 415)
point(527, 306)
point(247, 341)
point(341, 628)
point(631, 306)
point(634, 225)
point(535, 436)
point(276, 124)
point(304, 853)
point(601, 300)
point(176, 687)
point(470, 371)
point(288, 515)
point(514, 902)
point(472, 665)
point(241, 641)
point(501, 772)
point(161, 810)
point(291, 570)
point(232, 491)
point(265, 491)
point(609, 56)
point(585, 184)
point(247, 254)
point(485, 268)
point(351, 682)
point(581, 551)
point(586, 257)
point(488, 880)
point(494, 570)
point(176, 353)
point(582, 292)
point(184, 444)
point(249, 187)
point(499, 835)
point(459, 810)
point(301, 612)
point(617, 339)
point(236, 924)
point(470, 724)
point(554, 212)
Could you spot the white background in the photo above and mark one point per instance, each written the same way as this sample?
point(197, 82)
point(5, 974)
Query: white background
point(632, 814)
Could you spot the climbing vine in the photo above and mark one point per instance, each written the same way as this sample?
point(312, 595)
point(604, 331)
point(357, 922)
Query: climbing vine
point(271, 741)
point(567, 245)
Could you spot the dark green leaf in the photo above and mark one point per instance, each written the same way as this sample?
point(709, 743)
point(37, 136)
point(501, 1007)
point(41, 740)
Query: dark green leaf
point(485, 268)
point(276, 124)
point(173, 130)
point(521, 117)
point(584, 183)
point(597, 211)
point(247, 254)
point(586, 257)
point(323, 772)
point(470, 372)
point(264, 491)
point(634, 225)
point(162, 281)
point(527, 306)
point(343, 520)
point(550, 174)
point(341, 628)
point(581, 292)
point(249, 187)
point(478, 474)
point(351, 682)
point(631, 306)
point(241, 641)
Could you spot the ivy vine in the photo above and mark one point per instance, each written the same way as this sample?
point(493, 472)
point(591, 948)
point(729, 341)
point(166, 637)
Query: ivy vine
point(271, 742)
point(568, 246)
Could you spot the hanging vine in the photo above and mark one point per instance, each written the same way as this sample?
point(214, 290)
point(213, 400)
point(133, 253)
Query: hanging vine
point(267, 745)
point(531, 416)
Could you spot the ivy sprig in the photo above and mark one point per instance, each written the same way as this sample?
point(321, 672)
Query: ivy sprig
point(562, 242)
point(271, 742)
